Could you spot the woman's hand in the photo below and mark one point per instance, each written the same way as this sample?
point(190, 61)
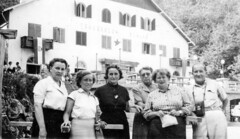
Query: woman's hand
point(65, 127)
point(160, 113)
point(42, 133)
point(100, 124)
point(139, 108)
point(176, 113)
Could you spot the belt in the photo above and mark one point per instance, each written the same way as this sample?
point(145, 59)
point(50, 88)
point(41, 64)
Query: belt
point(212, 108)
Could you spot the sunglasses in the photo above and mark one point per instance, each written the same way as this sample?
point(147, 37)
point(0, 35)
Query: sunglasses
point(145, 74)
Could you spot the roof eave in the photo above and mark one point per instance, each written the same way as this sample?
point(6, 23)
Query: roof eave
point(173, 24)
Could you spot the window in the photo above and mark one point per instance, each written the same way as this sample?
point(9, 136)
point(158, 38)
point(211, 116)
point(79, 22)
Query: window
point(58, 35)
point(106, 42)
point(163, 48)
point(81, 38)
point(83, 11)
point(147, 24)
point(127, 20)
point(34, 30)
point(127, 45)
point(106, 16)
point(176, 52)
point(148, 48)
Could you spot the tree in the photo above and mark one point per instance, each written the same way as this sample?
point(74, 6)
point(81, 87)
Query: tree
point(212, 25)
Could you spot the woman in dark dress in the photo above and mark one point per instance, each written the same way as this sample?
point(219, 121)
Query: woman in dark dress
point(113, 100)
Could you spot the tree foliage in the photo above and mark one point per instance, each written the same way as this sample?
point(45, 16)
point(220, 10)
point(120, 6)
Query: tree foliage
point(213, 26)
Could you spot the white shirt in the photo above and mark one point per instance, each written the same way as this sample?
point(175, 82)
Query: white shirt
point(48, 93)
point(84, 104)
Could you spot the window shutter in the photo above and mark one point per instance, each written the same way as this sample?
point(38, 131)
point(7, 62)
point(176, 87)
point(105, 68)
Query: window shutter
point(108, 16)
point(178, 52)
point(104, 16)
point(37, 30)
point(174, 53)
point(62, 35)
point(54, 34)
point(103, 42)
point(142, 23)
point(120, 18)
point(124, 45)
point(153, 49)
point(109, 42)
point(133, 21)
point(31, 31)
point(153, 24)
point(129, 46)
point(85, 38)
point(164, 50)
point(143, 48)
point(89, 11)
point(78, 37)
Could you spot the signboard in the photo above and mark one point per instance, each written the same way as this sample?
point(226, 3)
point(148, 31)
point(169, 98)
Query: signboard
point(175, 62)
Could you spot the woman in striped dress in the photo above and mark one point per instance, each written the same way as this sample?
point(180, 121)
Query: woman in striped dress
point(166, 100)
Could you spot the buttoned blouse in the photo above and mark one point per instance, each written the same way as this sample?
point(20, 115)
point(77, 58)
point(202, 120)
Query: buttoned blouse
point(214, 94)
point(174, 98)
point(84, 104)
point(141, 91)
point(50, 94)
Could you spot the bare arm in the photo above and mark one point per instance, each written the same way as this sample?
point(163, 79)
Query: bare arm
point(40, 120)
point(68, 110)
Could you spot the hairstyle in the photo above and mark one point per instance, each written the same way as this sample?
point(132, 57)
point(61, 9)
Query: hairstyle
point(53, 61)
point(145, 68)
point(204, 67)
point(10, 62)
point(17, 63)
point(80, 76)
point(115, 67)
point(176, 73)
point(161, 71)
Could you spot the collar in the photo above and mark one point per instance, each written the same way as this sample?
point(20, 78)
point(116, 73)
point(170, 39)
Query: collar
point(80, 90)
point(201, 86)
point(60, 88)
point(163, 91)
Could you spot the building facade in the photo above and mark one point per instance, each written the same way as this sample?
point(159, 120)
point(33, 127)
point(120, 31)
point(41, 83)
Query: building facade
point(92, 34)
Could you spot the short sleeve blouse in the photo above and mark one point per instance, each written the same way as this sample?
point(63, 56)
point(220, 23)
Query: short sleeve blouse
point(84, 104)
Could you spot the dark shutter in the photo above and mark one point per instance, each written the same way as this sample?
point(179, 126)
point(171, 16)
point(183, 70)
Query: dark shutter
point(78, 38)
point(121, 19)
point(31, 29)
point(104, 15)
point(89, 11)
point(84, 37)
point(153, 24)
point(62, 35)
point(153, 49)
point(133, 21)
point(142, 23)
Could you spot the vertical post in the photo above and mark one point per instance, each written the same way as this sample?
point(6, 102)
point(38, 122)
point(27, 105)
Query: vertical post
point(2, 53)
point(35, 49)
point(77, 64)
point(43, 52)
point(119, 57)
point(96, 60)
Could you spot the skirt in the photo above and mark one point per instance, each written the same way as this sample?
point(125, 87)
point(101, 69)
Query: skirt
point(140, 127)
point(53, 120)
point(172, 132)
point(82, 129)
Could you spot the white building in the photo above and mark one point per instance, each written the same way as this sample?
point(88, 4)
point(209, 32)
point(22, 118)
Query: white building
point(91, 34)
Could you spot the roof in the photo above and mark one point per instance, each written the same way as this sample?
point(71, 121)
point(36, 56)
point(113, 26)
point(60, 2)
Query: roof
point(145, 4)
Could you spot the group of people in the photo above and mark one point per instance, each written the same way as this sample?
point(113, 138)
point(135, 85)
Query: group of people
point(9, 68)
point(161, 107)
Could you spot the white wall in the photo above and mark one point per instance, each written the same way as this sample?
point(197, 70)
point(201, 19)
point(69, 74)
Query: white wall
point(60, 13)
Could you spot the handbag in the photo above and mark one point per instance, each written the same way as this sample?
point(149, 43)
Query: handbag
point(200, 107)
point(168, 120)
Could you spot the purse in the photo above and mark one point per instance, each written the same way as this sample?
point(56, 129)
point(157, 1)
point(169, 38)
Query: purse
point(168, 120)
point(200, 107)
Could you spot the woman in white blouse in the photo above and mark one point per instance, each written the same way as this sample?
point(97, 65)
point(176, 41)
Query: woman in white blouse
point(167, 100)
point(82, 106)
point(50, 97)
